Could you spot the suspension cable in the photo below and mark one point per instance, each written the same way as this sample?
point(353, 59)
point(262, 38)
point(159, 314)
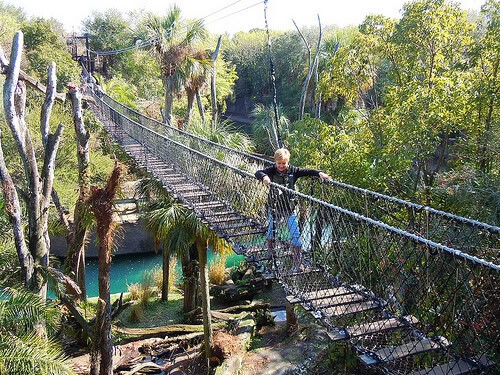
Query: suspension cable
point(273, 79)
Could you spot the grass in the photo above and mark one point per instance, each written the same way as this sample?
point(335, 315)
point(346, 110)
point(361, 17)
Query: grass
point(155, 313)
point(217, 271)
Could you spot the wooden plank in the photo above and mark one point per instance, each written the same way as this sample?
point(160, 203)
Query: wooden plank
point(384, 325)
point(195, 194)
point(337, 300)
point(295, 274)
point(354, 308)
point(212, 214)
point(234, 225)
point(456, 367)
point(411, 348)
point(325, 293)
point(211, 204)
point(240, 234)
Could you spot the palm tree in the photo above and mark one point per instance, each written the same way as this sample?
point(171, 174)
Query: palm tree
point(162, 219)
point(22, 350)
point(174, 39)
point(178, 229)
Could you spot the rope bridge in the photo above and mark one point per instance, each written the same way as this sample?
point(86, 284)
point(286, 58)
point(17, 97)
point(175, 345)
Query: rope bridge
point(413, 290)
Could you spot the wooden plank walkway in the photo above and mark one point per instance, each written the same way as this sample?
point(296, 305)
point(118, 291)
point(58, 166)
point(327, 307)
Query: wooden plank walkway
point(227, 222)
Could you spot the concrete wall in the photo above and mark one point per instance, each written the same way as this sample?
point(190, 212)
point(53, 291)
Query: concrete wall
point(130, 238)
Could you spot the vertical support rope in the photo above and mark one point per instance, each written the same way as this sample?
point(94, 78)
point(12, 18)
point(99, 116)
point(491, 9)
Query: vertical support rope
point(273, 79)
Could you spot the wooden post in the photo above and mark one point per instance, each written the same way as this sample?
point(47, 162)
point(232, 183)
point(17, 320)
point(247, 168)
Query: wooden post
point(291, 319)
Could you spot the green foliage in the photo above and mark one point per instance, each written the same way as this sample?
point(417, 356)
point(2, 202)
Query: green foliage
point(467, 192)
point(40, 31)
point(247, 51)
point(120, 90)
point(224, 85)
point(44, 43)
point(222, 133)
point(344, 153)
point(264, 128)
point(143, 72)
point(21, 350)
point(10, 274)
point(109, 30)
point(11, 18)
point(67, 70)
point(145, 289)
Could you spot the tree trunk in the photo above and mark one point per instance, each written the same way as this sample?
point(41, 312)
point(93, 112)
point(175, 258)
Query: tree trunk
point(78, 232)
point(190, 271)
point(166, 275)
point(13, 209)
point(169, 100)
point(201, 110)
point(190, 96)
point(205, 296)
point(213, 80)
point(101, 203)
point(291, 319)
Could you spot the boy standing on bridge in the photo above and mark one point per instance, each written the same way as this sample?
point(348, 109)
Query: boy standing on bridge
point(281, 205)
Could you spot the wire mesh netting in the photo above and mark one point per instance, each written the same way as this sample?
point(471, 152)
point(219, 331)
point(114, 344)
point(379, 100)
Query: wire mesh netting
point(414, 290)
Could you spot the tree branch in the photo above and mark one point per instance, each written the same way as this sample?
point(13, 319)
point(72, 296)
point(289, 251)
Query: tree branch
point(47, 105)
point(4, 68)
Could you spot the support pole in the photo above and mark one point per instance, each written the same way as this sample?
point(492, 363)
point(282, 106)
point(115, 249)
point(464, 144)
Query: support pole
point(273, 79)
point(87, 46)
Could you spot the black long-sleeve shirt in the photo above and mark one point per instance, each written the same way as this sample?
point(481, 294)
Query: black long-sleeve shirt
point(278, 200)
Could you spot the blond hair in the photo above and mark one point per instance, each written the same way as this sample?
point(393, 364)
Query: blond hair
point(282, 154)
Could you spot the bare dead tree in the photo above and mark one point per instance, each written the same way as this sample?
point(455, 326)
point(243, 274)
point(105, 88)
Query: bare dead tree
point(101, 204)
point(35, 256)
point(213, 80)
point(311, 67)
point(199, 102)
point(77, 230)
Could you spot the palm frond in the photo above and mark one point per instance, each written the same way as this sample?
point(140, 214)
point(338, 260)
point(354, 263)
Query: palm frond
point(31, 354)
point(178, 241)
point(195, 31)
point(20, 310)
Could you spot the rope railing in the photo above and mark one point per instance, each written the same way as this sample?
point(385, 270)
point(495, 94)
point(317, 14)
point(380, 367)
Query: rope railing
point(470, 235)
point(405, 302)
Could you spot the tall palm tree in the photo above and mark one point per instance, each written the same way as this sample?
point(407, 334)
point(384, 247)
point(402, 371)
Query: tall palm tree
point(22, 350)
point(174, 39)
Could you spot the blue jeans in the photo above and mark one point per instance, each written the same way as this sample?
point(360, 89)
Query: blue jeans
point(293, 227)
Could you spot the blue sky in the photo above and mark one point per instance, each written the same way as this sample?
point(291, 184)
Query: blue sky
point(238, 15)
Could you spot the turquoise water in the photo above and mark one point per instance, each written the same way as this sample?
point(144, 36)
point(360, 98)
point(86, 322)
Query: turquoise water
point(128, 269)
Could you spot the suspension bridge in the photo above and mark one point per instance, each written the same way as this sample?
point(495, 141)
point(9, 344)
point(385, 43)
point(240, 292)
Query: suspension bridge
point(411, 289)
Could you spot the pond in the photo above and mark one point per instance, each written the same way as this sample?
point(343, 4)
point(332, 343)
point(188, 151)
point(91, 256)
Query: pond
point(127, 269)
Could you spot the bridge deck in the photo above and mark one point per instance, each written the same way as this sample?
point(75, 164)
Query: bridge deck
point(218, 215)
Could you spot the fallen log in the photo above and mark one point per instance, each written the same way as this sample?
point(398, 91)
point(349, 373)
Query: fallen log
point(166, 346)
point(133, 334)
point(251, 307)
point(147, 367)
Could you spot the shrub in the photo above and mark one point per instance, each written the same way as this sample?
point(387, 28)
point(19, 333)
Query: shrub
point(144, 290)
point(217, 271)
point(172, 280)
